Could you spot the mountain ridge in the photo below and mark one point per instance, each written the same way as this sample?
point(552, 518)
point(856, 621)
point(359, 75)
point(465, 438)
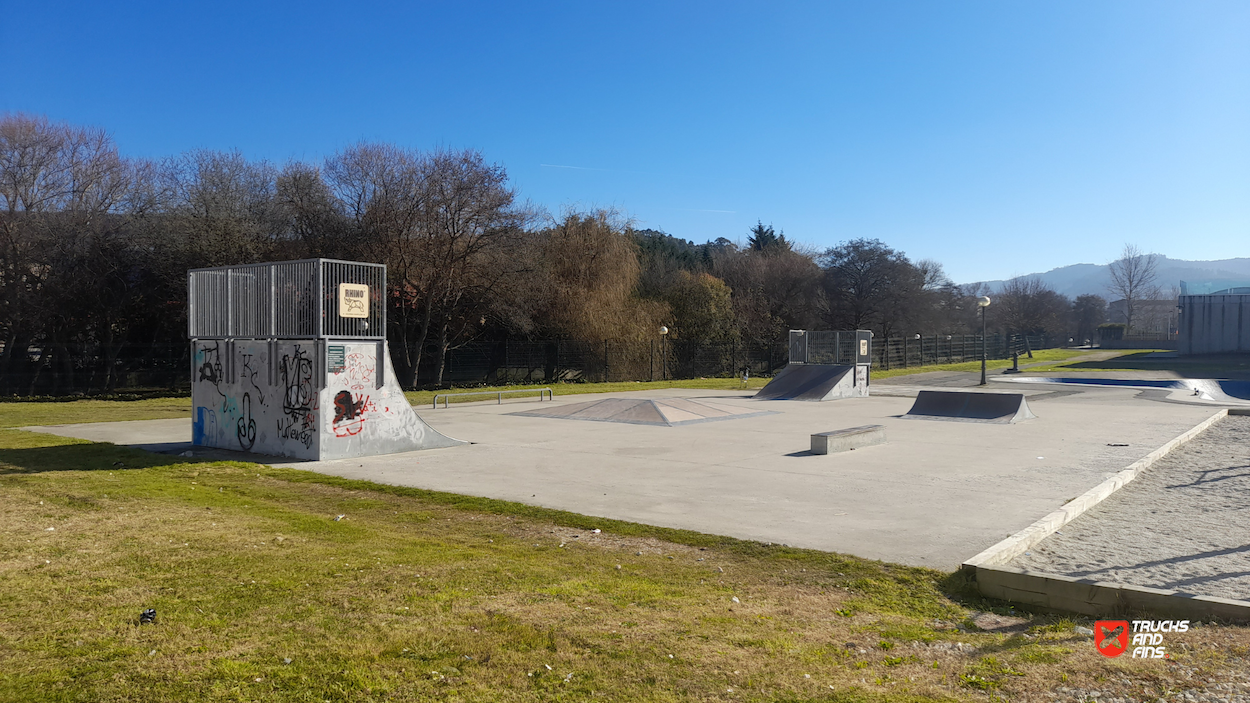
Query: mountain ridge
point(1084, 279)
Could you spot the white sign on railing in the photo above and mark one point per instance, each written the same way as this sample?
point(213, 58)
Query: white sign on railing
point(353, 300)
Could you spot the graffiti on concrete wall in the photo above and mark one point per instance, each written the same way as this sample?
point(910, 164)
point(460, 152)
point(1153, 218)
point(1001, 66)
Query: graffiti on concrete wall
point(359, 369)
point(299, 391)
point(267, 396)
point(299, 398)
point(245, 426)
point(349, 413)
point(250, 372)
point(210, 369)
point(203, 426)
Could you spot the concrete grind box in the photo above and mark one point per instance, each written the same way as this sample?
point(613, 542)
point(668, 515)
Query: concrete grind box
point(290, 359)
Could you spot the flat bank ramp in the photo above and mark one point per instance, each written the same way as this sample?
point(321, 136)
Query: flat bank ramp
point(665, 412)
point(810, 382)
point(964, 406)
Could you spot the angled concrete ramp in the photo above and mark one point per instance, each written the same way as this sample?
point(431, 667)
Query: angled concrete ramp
point(666, 412)
point(964, 406)
point(813, 382)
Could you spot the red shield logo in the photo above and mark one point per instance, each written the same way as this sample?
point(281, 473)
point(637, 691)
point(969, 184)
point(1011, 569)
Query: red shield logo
point(1111, 637)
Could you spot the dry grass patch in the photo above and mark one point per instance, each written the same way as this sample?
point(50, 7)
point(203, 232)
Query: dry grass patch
point(261, 594)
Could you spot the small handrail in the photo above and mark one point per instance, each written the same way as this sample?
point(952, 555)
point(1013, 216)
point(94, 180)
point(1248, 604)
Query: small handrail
point(540, 391)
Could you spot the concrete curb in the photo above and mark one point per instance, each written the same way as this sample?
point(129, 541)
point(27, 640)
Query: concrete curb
point(1099, 598)
point(1026, 539)
point(1085, 596)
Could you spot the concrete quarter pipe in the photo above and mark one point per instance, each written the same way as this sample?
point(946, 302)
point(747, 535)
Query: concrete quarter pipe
point(964, 406)
point(815, 382)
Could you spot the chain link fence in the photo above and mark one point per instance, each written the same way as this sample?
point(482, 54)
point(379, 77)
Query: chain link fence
point(69, 370)
point(904, 352)
point(570, 360)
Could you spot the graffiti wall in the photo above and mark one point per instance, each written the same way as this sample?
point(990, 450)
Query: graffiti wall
point(362, 419)
point(299, 399)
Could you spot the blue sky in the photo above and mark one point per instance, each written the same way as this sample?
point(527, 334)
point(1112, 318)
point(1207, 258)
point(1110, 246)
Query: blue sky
point(999, 138)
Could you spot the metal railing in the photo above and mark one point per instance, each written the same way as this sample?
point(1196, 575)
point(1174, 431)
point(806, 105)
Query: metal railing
point(287, 300)
point(540, 391)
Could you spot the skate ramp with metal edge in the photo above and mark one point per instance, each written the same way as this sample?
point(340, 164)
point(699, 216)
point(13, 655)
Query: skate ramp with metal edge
point(664, 412)
point(964, 406)
point(263, 396)
point(815, 382)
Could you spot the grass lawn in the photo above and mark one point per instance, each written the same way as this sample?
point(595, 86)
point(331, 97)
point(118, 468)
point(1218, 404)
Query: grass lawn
point(72, 411)
point(1044, 355)
point(426, 398)
point(261, 594)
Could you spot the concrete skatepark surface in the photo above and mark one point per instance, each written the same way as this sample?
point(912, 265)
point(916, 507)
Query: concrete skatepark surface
point(936, 494)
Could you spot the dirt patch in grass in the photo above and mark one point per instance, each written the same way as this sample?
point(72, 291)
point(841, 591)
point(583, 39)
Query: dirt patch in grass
point(263, 592)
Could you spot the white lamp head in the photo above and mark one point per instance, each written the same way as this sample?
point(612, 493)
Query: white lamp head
point(983, 301)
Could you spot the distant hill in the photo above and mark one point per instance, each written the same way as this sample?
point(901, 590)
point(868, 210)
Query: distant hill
point(1080, 279)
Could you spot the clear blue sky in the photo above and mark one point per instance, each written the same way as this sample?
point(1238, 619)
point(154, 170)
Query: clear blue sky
point(999, 138)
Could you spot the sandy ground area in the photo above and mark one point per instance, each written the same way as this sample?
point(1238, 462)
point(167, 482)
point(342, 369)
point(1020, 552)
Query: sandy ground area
point(1182, 525)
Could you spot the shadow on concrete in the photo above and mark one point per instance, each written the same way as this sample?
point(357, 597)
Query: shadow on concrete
point(1172, 560)
point(1231, 366)
point(1211, 476)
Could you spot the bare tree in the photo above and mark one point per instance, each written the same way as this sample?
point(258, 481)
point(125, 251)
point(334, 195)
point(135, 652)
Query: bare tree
point(868, 285)
point(774, 290)
point(1133, 279)
point(471, 220)
point(1027, 306)
point(68, 266)
point(379, 190)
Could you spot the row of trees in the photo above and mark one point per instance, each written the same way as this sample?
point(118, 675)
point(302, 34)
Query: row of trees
point(94, 249)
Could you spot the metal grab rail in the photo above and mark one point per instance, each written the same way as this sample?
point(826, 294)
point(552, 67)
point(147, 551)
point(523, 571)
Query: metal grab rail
point(540, 391)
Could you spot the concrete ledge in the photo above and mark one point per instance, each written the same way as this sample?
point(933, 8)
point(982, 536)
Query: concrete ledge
point(1100, 598)
point(850, 438)
point(1026, 539)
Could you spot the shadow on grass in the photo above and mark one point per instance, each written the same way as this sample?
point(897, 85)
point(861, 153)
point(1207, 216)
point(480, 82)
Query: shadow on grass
point(78, 457)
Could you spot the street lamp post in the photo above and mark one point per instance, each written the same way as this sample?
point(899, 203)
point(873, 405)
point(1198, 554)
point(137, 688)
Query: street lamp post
point(663, 353)
point(983, 302)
